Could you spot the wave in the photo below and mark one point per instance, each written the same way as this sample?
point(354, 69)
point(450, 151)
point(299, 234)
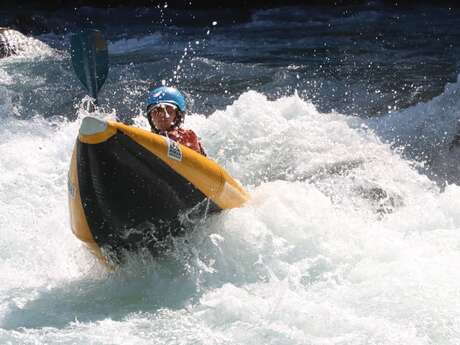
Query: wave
point(26, 47)
point(128, 45)
point(426, 133)
point(336, 244)
point(292, 16)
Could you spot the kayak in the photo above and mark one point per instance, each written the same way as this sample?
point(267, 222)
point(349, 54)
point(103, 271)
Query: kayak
point(131, 189)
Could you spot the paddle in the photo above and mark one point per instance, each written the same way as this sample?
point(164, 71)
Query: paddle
point(90, 60)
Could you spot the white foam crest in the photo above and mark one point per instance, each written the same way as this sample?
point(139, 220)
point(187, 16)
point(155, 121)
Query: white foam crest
point(27, 47)
point(288, 139)
point(164, 328)
point(8, 106)
point(427, 130)
point(38, 250)
point(343, 242)
point(128, 45)
point(309, 261)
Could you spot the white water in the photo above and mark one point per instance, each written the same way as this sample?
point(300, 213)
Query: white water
point(425, 132)
point(343, 242)
point(128, 45)
point(27, 47)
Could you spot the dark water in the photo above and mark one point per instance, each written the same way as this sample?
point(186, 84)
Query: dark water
point(338, 121)
point(363, 60)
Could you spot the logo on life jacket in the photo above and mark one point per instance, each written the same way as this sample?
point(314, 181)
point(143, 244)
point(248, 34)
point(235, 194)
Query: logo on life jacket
point(174, 151)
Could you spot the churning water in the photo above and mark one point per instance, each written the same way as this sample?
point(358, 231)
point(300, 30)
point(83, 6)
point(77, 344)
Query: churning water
point(352, 234)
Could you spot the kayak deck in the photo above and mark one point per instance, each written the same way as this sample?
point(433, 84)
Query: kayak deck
point(130, 189)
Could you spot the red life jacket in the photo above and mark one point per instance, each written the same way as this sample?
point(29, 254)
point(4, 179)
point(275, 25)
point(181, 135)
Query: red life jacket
point(186, 137)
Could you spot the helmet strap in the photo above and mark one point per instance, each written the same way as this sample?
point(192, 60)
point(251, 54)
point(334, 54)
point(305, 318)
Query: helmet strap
point(179, 118)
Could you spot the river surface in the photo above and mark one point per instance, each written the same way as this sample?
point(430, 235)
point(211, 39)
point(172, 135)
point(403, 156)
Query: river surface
point(341, 124)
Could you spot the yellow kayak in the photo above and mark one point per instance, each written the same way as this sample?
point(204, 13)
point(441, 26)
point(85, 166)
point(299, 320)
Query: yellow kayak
point(131, 189)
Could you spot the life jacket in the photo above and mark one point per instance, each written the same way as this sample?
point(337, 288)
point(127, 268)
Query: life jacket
point(186, 137)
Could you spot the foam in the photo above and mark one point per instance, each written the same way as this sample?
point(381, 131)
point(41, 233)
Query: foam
point(425, 132)
point(128, 45)
point(343, 242)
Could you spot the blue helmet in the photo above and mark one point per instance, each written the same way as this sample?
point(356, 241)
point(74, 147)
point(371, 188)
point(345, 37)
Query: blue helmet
point(165, 94)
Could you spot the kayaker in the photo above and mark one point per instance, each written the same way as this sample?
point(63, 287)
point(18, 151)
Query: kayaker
point(166, 113)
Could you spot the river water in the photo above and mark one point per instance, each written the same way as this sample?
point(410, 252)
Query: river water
point(340, 124)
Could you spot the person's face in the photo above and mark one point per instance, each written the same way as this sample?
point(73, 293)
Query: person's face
point(163, 116)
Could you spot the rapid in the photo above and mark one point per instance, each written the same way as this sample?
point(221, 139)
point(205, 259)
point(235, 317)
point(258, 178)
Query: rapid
point(352, 233)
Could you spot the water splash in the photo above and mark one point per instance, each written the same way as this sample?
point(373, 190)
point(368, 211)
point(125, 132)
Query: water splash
point(343, 242)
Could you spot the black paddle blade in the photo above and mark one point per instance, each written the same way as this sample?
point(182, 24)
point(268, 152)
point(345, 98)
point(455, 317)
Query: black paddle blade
point(90, 60)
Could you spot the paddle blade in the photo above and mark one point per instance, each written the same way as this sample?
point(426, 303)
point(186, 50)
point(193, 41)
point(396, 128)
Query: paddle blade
point(90, 59)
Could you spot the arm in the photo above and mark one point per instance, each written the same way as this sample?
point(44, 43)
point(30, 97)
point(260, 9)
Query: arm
point(190, 139)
